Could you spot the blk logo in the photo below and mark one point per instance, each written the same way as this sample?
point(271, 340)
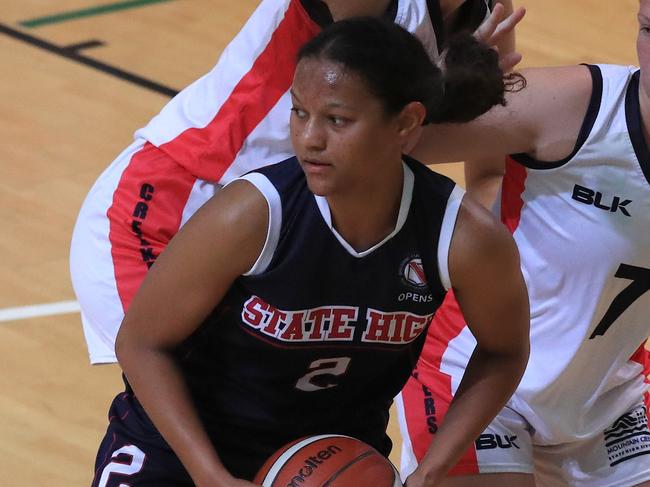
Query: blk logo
point(490, 442)
point(595, 198)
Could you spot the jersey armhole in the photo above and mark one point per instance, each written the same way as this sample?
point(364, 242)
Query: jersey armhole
point(274, 203)
point(446, 234)
point(585, 129)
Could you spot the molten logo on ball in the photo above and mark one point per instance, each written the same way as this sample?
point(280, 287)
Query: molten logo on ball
point(328, 460)
point(312, 464)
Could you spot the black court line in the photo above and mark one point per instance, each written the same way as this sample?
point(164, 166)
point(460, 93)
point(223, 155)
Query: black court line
point(71, 52)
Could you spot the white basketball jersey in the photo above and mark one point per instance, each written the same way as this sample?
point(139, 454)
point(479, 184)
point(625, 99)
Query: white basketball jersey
point(582, 226)
point(235, 118)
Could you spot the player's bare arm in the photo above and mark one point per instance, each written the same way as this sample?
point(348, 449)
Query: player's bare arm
point(219, 243)
point(547, 138)
point(487, 281)
point(483, 176)
point(526, 124)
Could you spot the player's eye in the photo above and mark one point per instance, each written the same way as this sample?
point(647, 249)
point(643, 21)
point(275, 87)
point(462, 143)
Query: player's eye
point(338, 121)
point(298, 112)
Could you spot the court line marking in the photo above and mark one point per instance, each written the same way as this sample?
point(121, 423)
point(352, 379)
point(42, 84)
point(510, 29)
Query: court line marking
point(73, 55)
point(86, 12)
point(39, 310)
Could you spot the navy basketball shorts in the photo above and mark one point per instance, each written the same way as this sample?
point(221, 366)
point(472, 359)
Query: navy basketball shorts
point(133, 453)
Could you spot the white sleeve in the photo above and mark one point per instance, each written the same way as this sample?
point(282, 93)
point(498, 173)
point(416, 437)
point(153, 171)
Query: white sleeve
point(274, 203)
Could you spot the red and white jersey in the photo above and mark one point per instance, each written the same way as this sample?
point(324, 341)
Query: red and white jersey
point(232, 120)
point(235, 118)
point(582, 226)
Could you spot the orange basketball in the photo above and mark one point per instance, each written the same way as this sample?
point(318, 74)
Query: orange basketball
point(328, 460)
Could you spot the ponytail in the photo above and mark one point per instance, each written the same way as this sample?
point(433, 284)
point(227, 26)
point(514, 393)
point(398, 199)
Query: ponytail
point(472, 81)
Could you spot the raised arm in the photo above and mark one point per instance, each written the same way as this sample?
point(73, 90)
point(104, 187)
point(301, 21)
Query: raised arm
point(487, 281)
point(218, 244)
point(483, 176)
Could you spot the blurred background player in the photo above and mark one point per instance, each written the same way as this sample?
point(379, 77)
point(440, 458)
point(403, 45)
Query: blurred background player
point(576, 196)
point(295, 301)
point(232, 120)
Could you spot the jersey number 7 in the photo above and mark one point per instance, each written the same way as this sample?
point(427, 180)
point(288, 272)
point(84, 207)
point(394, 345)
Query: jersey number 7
point(640, 278)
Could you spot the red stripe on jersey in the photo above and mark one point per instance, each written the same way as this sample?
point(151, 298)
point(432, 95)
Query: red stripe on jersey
point(449, 322)
point(145, 214)
point(642, 357)
point(446, 325)
point(208, 152)
point(514, 183)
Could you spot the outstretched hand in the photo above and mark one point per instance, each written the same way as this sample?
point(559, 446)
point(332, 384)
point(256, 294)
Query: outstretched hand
point(495, 28)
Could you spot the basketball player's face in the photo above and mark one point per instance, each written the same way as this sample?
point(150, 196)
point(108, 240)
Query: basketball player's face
point(339, 130)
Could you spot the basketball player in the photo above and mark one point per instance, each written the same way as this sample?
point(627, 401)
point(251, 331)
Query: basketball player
point(576, 196)
point(295, 301)
point(230, 121)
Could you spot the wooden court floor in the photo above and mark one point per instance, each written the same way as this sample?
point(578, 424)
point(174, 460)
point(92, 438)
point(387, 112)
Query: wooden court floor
point(72, 91)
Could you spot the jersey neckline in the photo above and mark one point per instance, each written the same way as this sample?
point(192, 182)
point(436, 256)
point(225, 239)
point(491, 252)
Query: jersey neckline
point(405, 205)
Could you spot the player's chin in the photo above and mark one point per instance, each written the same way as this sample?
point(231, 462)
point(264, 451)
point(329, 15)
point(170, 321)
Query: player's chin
point(321, 183)
point(319, 187)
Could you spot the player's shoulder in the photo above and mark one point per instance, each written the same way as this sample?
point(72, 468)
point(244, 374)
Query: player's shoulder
point(479, 235)
point(547, 91)
point(552, 77)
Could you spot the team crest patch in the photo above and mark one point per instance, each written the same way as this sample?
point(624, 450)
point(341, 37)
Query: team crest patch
point(628, 437)
point(412, 272)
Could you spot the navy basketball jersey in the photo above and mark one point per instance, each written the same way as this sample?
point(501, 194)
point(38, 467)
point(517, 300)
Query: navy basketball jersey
point(319, 338)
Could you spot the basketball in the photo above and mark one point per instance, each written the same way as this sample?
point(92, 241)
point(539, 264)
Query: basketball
point(328, 460)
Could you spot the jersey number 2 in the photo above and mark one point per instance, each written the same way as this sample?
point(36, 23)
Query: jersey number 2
point(640, 278)
point(316, 380)
point(121, 467)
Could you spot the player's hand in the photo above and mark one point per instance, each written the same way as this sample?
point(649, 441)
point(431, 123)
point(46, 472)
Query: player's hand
point(495, 28)
point(418, 479)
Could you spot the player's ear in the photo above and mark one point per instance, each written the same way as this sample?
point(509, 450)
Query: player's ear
point(410, 118)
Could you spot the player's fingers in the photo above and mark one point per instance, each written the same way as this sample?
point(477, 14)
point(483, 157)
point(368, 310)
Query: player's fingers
point(507, 26)
point(485, 31)
point(509, 61)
